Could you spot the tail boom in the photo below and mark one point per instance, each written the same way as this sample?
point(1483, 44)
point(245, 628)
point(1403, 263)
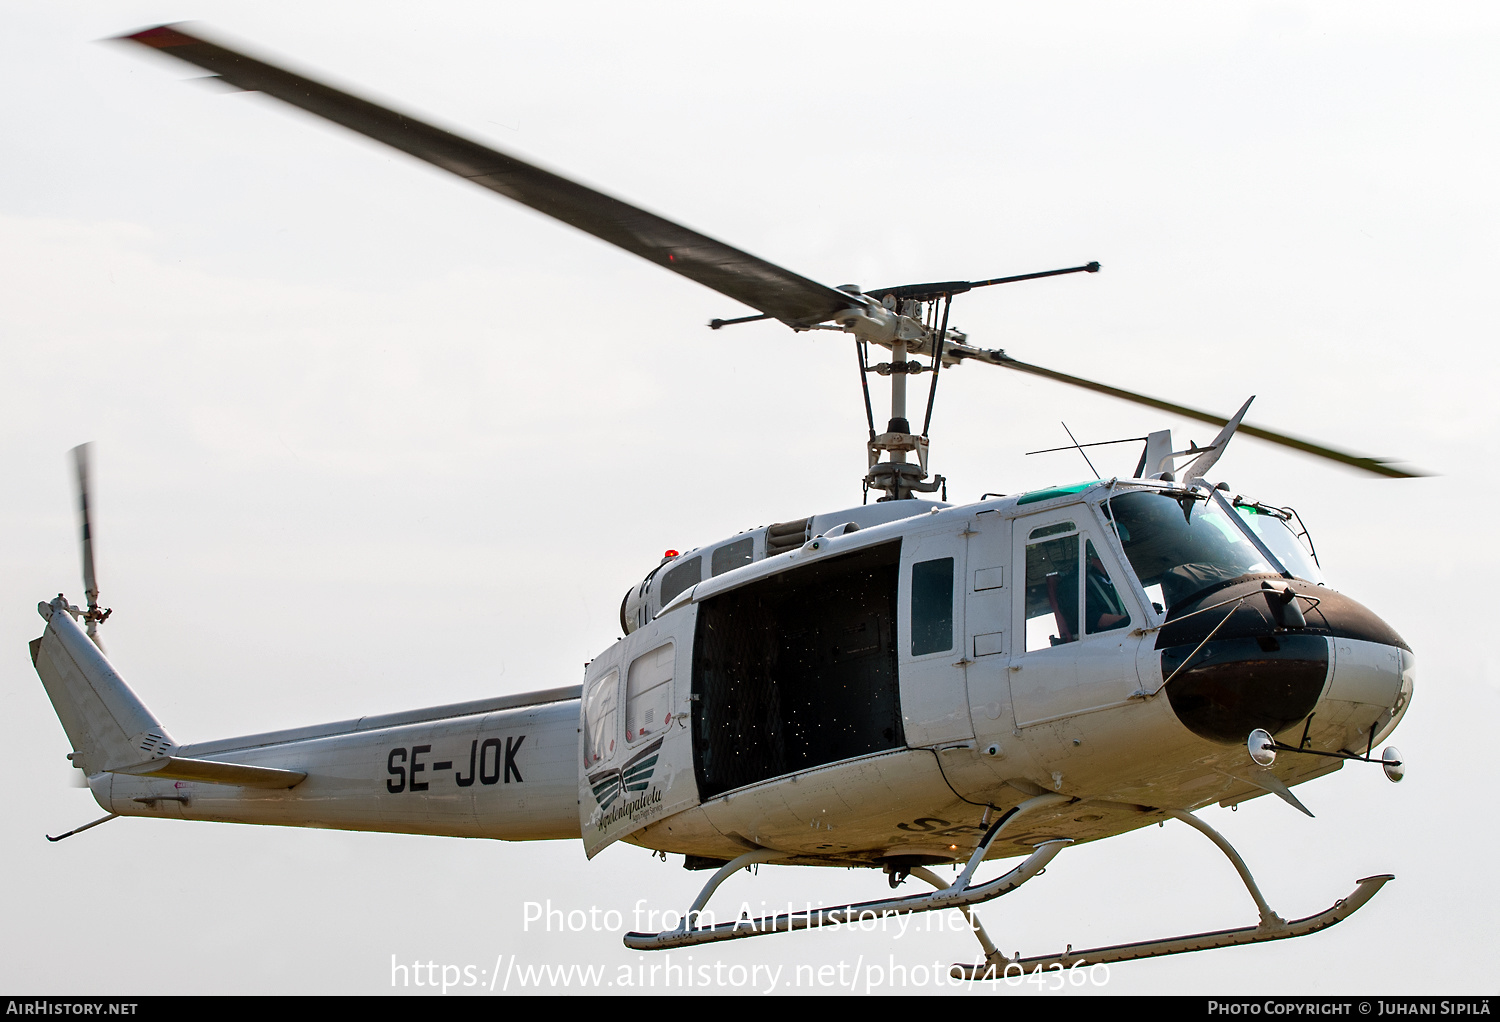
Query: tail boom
point(498, 768)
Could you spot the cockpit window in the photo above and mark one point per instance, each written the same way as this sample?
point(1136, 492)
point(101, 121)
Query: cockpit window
point(1103, 610)
point(1179, 549)
point(1055, 529)
point(1274, 528)
point(1053, 575)
point(1051, 588)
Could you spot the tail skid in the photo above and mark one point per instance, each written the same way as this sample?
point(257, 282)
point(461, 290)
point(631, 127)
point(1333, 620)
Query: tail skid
point(86, 826)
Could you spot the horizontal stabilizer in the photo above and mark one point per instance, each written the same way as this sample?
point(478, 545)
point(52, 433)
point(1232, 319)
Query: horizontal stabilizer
point(176, 768)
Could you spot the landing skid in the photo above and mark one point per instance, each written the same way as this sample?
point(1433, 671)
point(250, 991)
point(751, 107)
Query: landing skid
point(962, 895)
point(959, 895)
point(1271, 927)
point(995, 968)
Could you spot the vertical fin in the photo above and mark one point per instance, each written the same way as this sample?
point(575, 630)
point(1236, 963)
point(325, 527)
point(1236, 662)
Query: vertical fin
point(108, 725)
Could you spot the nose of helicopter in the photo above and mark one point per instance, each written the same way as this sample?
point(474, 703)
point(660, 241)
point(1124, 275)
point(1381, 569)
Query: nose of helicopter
point(1278, 651)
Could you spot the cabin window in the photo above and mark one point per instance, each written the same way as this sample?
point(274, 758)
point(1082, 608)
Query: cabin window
point(797, 670)
point(732, 555)
point(679, 577)
point(599, 718)
point(648, 696)
point(932, 606)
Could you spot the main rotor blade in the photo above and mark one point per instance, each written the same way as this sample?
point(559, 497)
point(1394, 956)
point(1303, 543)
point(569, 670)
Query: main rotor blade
point(946, 288)
point(1000, 358)
point(793, 299)
point(81, 464)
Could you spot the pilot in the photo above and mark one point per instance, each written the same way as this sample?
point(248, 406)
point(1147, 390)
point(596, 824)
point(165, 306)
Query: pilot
point(1102, 607)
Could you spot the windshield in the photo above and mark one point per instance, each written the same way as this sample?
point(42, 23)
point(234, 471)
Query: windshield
point(1177, 553)
point(1273, 526)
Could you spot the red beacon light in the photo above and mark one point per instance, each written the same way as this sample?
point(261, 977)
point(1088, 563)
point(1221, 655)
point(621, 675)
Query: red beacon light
point(670, 554)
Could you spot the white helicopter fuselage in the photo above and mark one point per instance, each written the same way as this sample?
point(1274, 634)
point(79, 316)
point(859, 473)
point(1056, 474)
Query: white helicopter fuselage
point(869, 687)
point(893, 686)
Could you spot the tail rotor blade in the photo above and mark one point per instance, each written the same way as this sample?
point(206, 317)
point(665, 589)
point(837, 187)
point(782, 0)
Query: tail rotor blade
point(86, 530)
point(93, 616)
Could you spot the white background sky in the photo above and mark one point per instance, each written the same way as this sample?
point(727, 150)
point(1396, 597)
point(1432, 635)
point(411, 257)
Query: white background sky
point(371, 439)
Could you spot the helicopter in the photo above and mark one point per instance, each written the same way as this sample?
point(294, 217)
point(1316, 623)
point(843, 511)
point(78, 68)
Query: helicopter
point(895, 541)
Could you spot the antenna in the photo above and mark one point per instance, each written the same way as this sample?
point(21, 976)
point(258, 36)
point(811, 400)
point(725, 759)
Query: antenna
point(1080, 449)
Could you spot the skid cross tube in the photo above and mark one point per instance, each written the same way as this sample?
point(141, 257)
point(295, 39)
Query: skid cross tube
point(922, 873)
point(960, 895)
point(1269, 920)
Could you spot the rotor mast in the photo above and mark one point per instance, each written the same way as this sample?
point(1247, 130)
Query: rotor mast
point(915, 329)
point(897, 478)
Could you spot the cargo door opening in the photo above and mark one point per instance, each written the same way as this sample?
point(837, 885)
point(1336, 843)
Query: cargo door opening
point(797, 670)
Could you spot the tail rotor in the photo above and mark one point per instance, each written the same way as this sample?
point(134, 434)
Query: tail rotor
point(93, 617)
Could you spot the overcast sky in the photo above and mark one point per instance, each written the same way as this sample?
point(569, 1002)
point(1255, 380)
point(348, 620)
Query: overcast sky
point(369, 438)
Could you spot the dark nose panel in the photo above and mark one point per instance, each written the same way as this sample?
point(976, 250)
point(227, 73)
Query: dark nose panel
point(1334, 615)
point(1233, 686)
